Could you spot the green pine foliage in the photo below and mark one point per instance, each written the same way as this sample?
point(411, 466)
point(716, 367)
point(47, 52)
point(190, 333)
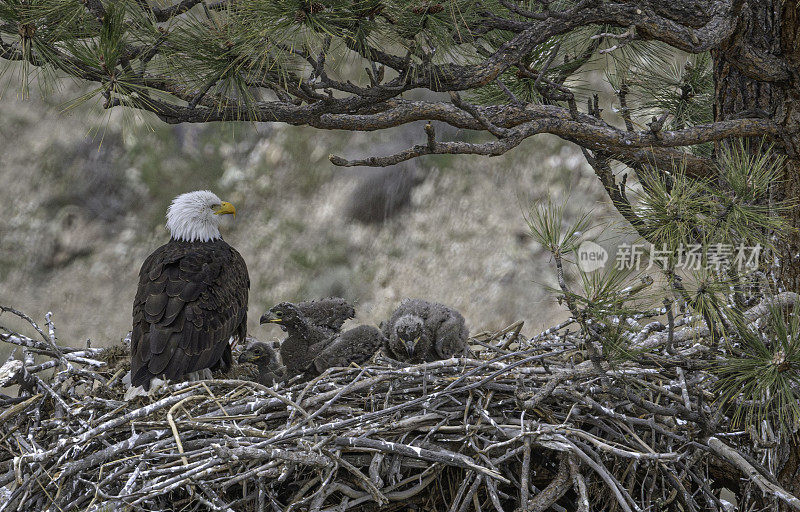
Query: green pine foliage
point(760, 379)
point(255, 43)
point(733, 209)
point(672, 208)
point(744, 212)
point(607, 292)
point(229, 52)
point(233, 54)
point(660, 82)
point(602, 300)
point(707, 241)
point(546, 224)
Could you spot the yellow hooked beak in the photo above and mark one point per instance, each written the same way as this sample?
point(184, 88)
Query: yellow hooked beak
point(247, 357)
point(270, 317)
point(225, 208)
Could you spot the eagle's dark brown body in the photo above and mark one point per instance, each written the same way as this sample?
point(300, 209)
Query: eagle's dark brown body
point(192, 298)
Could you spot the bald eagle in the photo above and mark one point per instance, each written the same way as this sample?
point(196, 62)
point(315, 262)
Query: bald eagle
point(192, 295)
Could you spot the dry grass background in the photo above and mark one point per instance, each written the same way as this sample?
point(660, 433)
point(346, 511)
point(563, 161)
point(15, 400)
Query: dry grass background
point(85, 193)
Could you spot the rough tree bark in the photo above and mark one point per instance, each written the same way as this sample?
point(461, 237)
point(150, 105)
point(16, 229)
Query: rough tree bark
point(787, 103)
point(767, 29)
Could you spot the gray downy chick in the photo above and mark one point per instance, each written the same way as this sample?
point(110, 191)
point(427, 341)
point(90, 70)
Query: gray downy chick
point(408, 340)
point(444, 333)
point(304, 341)
point(356, 345)
point(329, 314)
point(266, 361)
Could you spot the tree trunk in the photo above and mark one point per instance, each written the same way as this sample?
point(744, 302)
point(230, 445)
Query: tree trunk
point(789, 117)
point(771, 27)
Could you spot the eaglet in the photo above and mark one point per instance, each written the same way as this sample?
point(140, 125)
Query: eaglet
point(310, 326)
point(266, 361)
point(354, 346)
point(420, 331)
point(329, 314)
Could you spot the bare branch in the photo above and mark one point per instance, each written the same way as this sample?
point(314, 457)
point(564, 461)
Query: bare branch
point(767, 487)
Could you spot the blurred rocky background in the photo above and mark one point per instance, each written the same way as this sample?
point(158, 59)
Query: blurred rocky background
point(84, 195)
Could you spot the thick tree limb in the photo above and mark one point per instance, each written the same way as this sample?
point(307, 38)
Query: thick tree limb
point(687, 27)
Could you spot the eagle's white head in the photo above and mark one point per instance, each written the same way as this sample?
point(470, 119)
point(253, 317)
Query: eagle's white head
point(194, 216)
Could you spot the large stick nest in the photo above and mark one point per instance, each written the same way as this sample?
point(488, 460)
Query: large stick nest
point(522, 424)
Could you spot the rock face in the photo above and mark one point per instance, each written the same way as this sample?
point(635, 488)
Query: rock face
point(382, 194)
point(71, 235)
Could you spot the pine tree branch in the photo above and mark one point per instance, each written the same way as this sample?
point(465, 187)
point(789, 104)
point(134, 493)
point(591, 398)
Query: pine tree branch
point(374, 108)
point(454, 77)
point(761, 310)
point(619, 143)
point(173, 10)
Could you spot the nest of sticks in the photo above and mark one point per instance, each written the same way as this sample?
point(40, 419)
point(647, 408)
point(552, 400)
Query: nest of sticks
point(523, 424)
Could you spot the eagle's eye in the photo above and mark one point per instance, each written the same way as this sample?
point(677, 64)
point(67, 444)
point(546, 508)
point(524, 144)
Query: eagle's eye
point(279, 313)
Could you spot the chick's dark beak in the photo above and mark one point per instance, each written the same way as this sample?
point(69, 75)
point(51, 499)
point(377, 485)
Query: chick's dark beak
point(246, 357)
point(410, 346)
point(268, 317)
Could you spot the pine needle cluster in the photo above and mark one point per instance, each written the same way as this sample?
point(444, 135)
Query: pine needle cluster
point(689, 220)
